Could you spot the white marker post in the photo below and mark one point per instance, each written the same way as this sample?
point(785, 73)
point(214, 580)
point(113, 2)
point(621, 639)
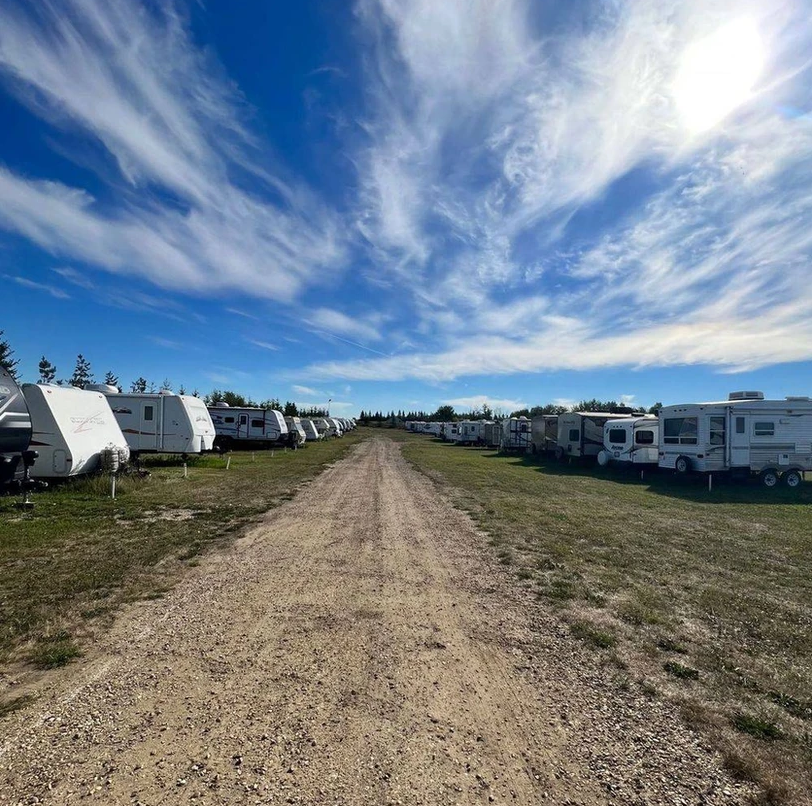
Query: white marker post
point(185, 471)
point(113, 486)
point(228, 463)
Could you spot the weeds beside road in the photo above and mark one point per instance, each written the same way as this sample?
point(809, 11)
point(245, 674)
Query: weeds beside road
point(66, 565)
point(705, 597)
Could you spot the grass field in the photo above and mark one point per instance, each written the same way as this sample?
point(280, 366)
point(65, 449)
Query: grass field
point(703, 597)
point(68, 564)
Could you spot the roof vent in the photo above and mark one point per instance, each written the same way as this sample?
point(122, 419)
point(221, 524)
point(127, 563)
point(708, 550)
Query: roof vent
point(800, 398)
point(221, 404)
point(106, 388)
point(746, 396)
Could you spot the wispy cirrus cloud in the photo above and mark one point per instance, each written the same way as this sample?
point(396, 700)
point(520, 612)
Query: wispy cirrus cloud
point(54, 291)
point(337, 322)
point(130, 79)
point(478, 402)
point(549, 203)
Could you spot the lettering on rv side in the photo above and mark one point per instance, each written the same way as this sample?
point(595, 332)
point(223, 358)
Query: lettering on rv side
point(86, 423)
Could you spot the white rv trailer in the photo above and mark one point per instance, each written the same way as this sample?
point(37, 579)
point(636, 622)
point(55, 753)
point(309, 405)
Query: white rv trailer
point(516, 434)
point(322, 426)
point(491, 434)
point(544, 433)
point(246, 425)
point(71, 429)
point(336, 424)
point(451, 432)
point(435, 429)
point(296, 434)
point(15, 429)
point(311, 431)
point(631, 440)
point(580, 433)
point(161, 422)
point(743, 435)
point(468, 432)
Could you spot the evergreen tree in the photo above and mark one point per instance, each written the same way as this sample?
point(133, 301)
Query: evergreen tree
point(290, 409)
point(655, 409)
point(139, 385)
point(166, 386)
point(112, 380)
point(82, 375)
point(7, 360)
point(47, 371)
point(182, 390)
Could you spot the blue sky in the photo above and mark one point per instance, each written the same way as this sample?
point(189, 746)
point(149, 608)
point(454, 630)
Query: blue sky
point(399, 204)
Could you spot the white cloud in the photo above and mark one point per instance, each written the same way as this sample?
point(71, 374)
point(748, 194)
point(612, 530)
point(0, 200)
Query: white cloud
point(55, 292)
point(132, 81)
point(265, 345)
point(336, 322)
point(306, 390)
point(476, 402)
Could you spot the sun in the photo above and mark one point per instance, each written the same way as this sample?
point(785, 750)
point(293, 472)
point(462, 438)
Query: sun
point(717, 74)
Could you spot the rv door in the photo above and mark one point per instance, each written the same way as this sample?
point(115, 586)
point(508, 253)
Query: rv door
point(148, 436)
point(739, 439)
point(242, 427)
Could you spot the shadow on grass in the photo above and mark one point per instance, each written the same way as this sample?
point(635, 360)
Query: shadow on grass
point(663, 482)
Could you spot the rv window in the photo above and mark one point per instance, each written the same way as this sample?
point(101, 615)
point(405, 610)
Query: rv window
point(257, 424)
point(764, 429)
point(617, 436)
point(679, 431)
point(228, 419)
point(644, 437)
point(717, 430)
point(575, 435)
point(148, 412)
point(740, 425)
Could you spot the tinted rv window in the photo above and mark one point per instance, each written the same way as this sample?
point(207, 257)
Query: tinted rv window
point(617, 436)
point(717, 430)
point(679, 431)
point(257, 424)
point(740, 425)
point(575, 435)
point(764, 429)
point(228, 419)
point(148, 412)
point(644, 437)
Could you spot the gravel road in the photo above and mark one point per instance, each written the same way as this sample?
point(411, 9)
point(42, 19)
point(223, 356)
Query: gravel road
point(359, 646)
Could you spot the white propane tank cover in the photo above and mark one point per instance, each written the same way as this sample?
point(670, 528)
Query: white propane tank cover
point(603, 458)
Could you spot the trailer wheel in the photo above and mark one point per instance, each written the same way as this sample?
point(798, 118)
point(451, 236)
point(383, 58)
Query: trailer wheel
point(682, 465)
point(559, 453)
point(769, 478)
point(793, 479)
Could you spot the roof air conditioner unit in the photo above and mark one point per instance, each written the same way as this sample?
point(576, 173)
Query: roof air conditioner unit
point(746, 396)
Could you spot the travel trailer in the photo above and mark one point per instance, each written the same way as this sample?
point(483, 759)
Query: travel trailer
point(516, 434)
point(161, 422)
point(246, 426)
point(296, 434)
point(15, 430)
point(631, 440)
point(71, 430)
point(743, 435)
point(335, 425)
point(491, 434)
point(544, 433)
point(435, 429)
point(311, 431)
point(468, 432)
point(580, 433)
point(450, 431)
point(322, 426)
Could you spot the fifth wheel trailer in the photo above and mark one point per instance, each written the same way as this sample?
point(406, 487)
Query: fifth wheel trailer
point(71, 430)
point(15, 429)
point(161, 422)
point(741, 436)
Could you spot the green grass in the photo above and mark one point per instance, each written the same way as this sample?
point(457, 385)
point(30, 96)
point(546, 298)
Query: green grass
point(69, 563)
point(592, 635)
point(727, 573)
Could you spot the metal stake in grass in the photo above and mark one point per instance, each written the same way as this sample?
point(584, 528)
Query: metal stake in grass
point(185, 471)
point(228, 463)
point(710, 482)
point(113, 486)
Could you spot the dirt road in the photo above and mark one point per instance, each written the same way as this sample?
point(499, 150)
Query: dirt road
point(358, 647)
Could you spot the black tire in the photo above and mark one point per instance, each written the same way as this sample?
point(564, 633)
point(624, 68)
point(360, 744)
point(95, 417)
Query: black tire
point(769, 478)
point(559, 454)
point(682, 465)
point(793, 479)
point(533, 448)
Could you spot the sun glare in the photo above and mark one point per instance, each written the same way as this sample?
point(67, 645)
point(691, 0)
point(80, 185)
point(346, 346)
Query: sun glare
point(717, 74)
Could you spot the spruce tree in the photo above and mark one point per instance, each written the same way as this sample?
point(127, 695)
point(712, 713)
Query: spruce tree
point(7, 360)
point(112, 380)
point(82, 375)
point(139, 385)
point(47, 371)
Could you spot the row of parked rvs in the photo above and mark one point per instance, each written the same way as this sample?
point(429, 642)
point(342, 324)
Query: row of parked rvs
point(50, 432)
point(742, 436)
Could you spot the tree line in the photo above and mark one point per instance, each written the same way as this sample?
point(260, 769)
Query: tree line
point(83, 375)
